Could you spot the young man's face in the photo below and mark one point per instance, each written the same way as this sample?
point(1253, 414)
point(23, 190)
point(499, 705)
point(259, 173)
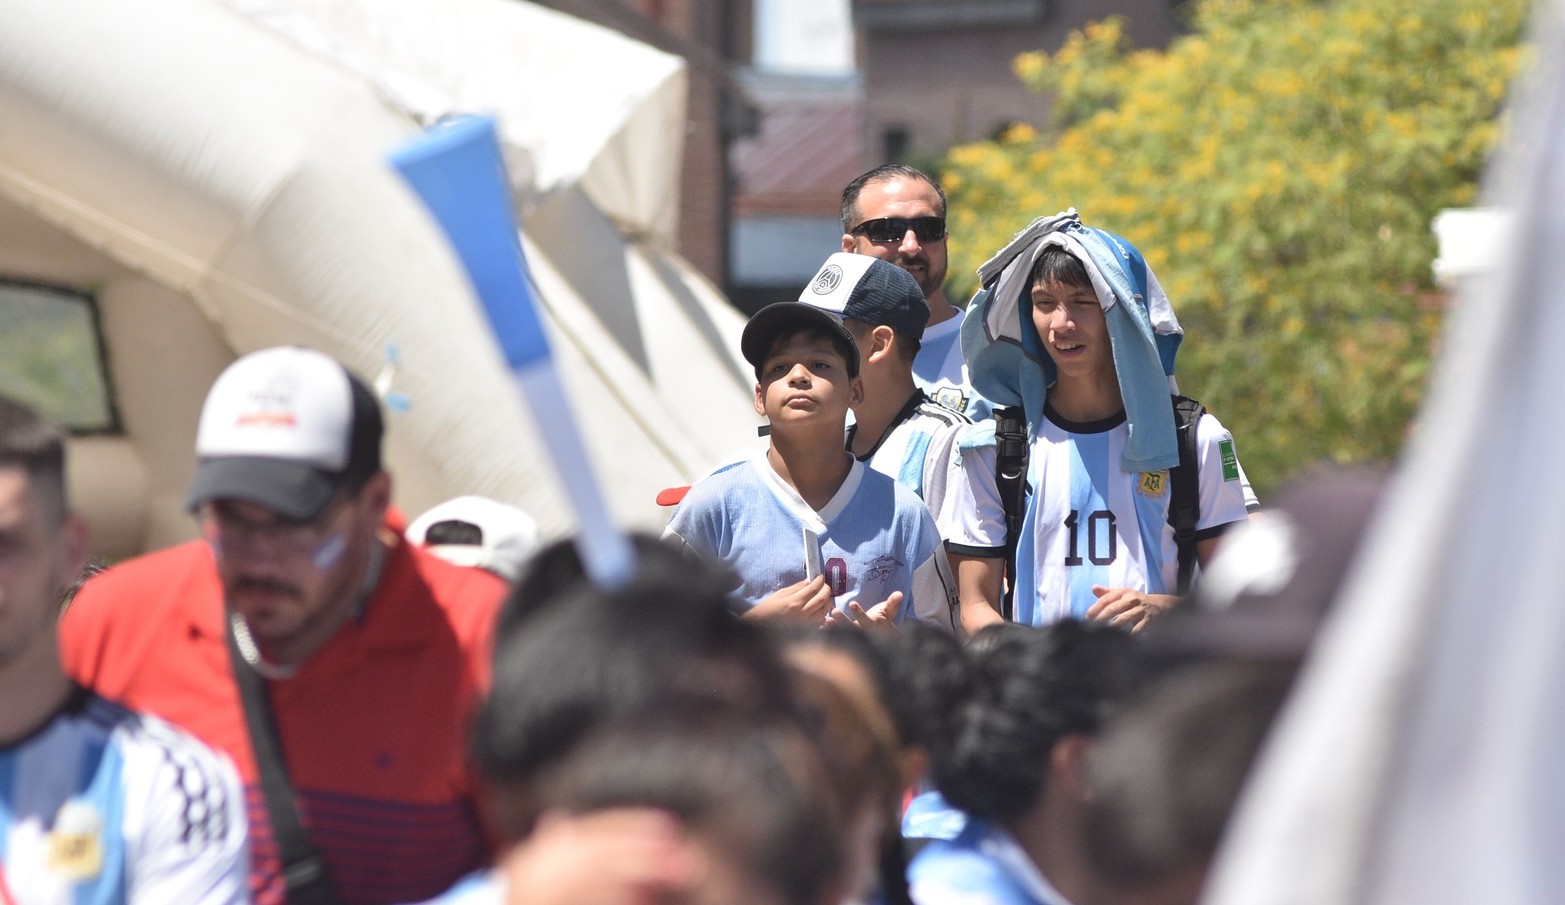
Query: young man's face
point(1070, 322)
point(41, 553)
point(804, 378)
point(902, 197)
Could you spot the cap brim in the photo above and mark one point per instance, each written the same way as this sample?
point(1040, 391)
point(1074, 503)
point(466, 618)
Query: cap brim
point(291, 489)
point(672, 496)
point(768, 323)
point(474, 555)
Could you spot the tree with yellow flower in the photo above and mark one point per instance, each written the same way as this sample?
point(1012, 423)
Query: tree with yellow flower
point(1279, 166)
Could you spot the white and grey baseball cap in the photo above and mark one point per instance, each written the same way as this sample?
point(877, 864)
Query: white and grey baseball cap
point(285, 428)
point(868, 289)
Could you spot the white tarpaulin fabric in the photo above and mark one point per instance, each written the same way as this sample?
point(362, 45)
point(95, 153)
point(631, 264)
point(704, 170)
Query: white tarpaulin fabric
point(535, 70)
point(230, 156)
point(1418, 761)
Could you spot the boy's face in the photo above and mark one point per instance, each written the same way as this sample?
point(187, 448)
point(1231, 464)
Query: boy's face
point(805, 378)
point(1070, 322)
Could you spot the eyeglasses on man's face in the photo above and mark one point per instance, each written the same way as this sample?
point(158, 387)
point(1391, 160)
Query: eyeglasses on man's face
point(222, 525)
point(893, 229)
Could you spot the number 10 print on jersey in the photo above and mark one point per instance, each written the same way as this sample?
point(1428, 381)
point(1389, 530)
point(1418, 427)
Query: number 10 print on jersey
point(1087, 524)
point(1100, 543)
point(1091, 522)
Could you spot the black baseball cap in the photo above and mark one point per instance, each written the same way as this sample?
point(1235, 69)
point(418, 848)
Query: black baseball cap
point(784, 318)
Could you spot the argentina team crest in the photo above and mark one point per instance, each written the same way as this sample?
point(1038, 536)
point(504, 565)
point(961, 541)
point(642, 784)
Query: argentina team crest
point(1152, 483)
point(952, 398)
point(76, 842)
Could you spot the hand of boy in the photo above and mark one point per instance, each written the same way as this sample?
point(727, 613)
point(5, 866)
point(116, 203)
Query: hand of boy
point(1127, 607)
point(806, 601)
point(880, 618)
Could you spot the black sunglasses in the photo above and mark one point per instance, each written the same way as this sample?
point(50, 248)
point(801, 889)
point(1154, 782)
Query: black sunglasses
point(892, 229)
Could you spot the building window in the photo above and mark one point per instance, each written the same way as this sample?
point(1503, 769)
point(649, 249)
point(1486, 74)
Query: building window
point(51, 356)
point(895, 142)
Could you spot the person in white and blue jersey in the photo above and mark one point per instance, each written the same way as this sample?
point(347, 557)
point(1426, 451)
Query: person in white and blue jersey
point(812, 533)
point(1076, 330)
point(97, 803)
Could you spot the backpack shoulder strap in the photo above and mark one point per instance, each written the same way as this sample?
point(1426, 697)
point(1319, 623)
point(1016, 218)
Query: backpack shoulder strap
point(1184, 505)
point(1010, 478)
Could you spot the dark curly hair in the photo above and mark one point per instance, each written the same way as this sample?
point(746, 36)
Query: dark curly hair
point(998, 707)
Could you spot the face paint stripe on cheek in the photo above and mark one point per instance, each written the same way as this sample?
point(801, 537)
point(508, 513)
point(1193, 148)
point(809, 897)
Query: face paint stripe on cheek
point(330, 550)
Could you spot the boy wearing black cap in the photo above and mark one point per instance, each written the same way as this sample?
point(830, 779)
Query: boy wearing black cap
point(813, 534)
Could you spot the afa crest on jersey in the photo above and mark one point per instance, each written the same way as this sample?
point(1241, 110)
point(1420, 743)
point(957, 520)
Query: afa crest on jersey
point(952, 398)
point(1152, 483)
point(76, 842)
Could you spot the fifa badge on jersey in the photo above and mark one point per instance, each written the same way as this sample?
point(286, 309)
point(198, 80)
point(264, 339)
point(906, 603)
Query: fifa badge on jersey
point(952, 398)
point(1152, 483)
point(76, 842)
point(1230, 460)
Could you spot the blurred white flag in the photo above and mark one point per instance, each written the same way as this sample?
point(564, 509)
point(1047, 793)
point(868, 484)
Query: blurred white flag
point(1419, 760)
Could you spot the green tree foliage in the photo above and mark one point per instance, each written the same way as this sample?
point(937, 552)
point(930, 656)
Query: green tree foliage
point(1279, 166)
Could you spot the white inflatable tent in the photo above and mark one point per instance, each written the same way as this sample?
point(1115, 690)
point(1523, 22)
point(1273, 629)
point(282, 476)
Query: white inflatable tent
point(212, 172)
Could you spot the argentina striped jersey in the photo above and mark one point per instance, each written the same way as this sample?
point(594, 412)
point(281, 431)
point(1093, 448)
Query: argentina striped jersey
point(103, 805)
point(1088, 522)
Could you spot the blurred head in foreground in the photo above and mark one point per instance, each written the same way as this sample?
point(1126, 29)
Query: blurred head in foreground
point(1171, 766)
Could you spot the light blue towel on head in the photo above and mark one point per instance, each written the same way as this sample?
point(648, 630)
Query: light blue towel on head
point(1005, 357)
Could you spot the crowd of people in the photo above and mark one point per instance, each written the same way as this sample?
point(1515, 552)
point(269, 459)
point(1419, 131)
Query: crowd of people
point(936, 643)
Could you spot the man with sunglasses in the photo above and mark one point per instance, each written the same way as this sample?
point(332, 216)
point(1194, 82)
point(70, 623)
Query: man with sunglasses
point(368, 651)
point(897, 213)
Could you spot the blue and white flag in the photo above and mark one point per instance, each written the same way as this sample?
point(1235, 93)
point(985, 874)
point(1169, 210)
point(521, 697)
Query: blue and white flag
point(456, 169)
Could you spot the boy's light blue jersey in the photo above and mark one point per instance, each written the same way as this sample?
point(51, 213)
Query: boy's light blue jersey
point(983, 865)
point(1088, 522)
point(874, 537)
point(104, 806)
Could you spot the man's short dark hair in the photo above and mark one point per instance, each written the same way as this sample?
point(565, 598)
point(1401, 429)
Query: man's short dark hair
point(754, 782)
point(839, 343)
point(1056, 265)
point(850, 193)
point(571, 656)
point(907, 346)
point(38, 448)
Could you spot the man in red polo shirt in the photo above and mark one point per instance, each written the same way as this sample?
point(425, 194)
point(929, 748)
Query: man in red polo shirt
point(370, 652)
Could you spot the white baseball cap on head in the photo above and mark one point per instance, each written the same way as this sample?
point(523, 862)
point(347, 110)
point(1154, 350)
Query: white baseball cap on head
point(286, 428)
point(871, 290)
point(477, 531)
